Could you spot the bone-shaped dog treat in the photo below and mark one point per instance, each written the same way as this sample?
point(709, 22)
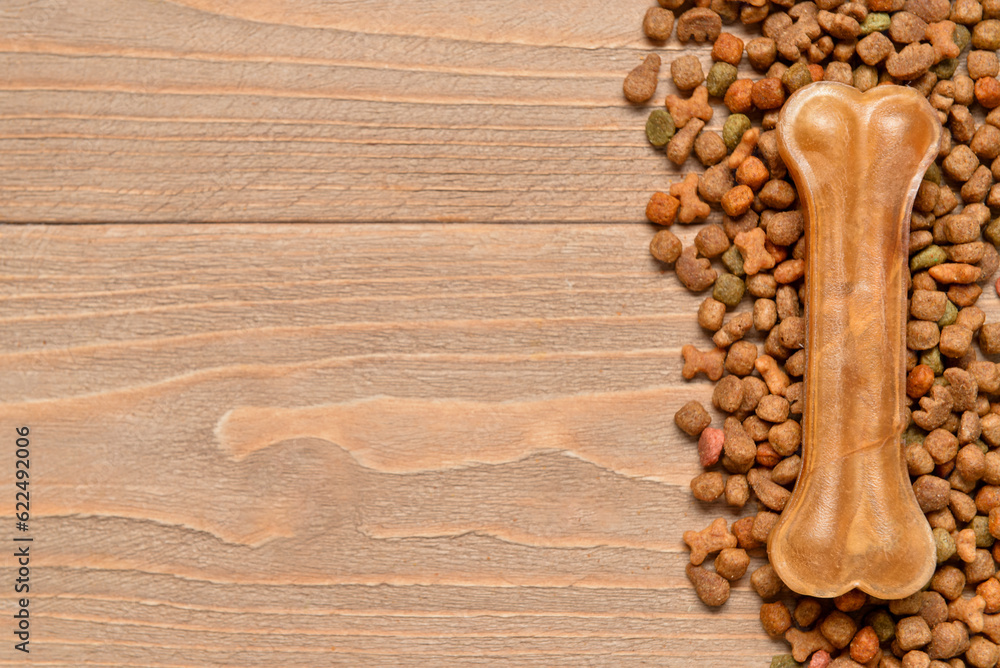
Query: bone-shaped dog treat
point(852, 520)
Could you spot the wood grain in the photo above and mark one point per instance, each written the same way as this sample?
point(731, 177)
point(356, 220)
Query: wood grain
point(320, 110)
point(360, 445)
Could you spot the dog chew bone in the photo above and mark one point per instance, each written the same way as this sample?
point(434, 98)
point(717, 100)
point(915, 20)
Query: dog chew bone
point(853, 520)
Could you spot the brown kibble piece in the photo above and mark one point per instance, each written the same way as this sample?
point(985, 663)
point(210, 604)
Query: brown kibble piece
point(708, 486)
point(776, 379)
point(709, 540)
point(662, 209)
point(761, 52)
point(698, 24)
point(738, 96)
point(954, 342)
point(728, 394)
point(715, 182)
point(711, 588)
point(907, 28)
point(931, 492)
point(658, 23)
point(982, 64)
point(686, 72)
point(949, 582)
point(691, 207)
point(922, 335)
point(695, 273)
point(640, 84)
point(740, 362)
point(665, 246)
point(969, 611)
point(777, 194)
point(953, 272)
point(732, 563)
point(768, 93)
point(728, 48)
point(919, 381)
point(682, 110)
point(710, 148)
point(838, 628)
point(771, 494)
point(710, 363)
point(987, 92)
point(734, 330)
point(912, 633)
point(755, 255)
point(805, 643)
point(775, 618)
point(680, 146)
point(941, 35)
point(692, 418)
point(737, 494)
point(874, 48)
point(989, 338)
point(910, 63)
point(864, 645)
point(746, 146)
point(711, 241)
point(737, 200)
point(766, 582)
point(786, 437)
point(807, 611)
point(752, 172)
point(929, 10)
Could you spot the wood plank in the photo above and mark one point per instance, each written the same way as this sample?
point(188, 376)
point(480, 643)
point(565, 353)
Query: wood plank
point(356, 445)
point(309, 110)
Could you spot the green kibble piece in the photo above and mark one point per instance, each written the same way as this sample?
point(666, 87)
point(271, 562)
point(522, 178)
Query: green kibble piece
point(882, 623)
point(928, 257)
point(981, 525)
point(932, 358)
point(950, 314)
point(941, 381)
point(733, 129)
point(945, 545)
point(732, 260)
point(913, 434)
point(992, 232)
point(784, 661)
point(796, 76)
point(875, 22)
point(946, 68)
point(933, 174)
point(660, 127)
point(962, 37)
point(982, 446)
point(729, 289)
point(720, 78)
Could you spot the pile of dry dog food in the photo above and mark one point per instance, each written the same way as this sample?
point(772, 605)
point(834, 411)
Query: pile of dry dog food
point(748, 258)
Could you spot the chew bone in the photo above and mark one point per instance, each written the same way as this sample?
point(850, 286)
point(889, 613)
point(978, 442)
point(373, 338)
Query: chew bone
point(853, 521)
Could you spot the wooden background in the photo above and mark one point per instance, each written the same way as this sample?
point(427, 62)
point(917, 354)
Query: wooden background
point(407, 401)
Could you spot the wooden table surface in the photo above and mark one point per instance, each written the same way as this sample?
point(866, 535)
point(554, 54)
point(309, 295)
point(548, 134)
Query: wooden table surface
point(354, 353)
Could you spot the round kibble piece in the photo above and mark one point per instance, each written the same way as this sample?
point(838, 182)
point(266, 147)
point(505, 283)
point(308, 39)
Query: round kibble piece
point(660, 128)
point(767, 93)
point(692, 418)
point(775, 618)
point(686, 72)
point(733, 130)
point(729, 289)
point(720, 77)
point(658, 23)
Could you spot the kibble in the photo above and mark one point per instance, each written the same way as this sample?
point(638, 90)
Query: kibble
point(954, 412)
point(640, 84)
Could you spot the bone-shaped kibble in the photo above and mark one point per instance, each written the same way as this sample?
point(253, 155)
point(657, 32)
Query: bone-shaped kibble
point(853, 521)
